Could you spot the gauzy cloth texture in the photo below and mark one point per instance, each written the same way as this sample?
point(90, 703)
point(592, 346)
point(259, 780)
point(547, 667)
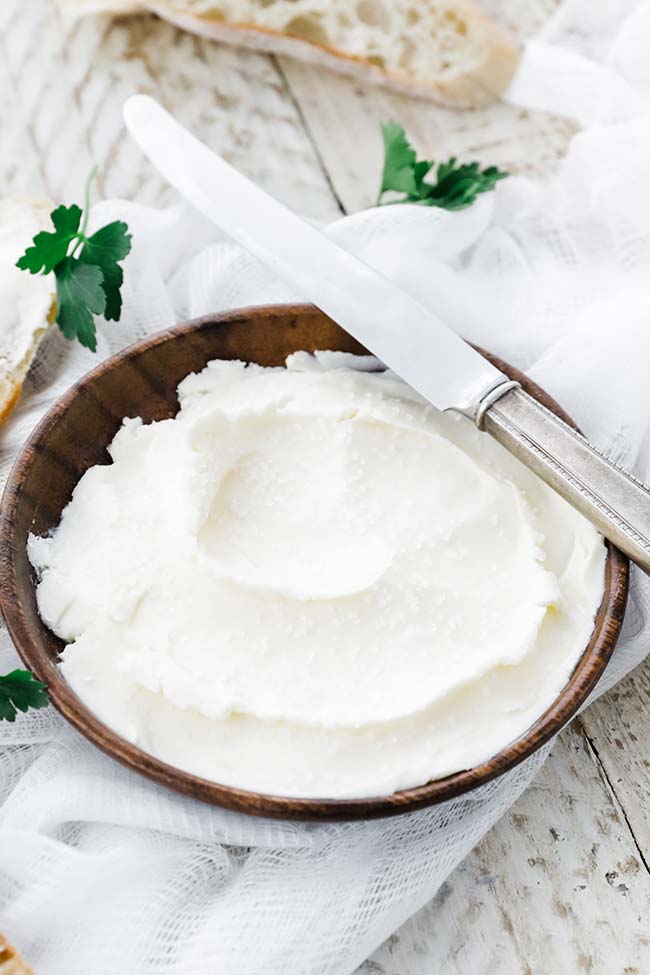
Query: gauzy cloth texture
point(104, 872)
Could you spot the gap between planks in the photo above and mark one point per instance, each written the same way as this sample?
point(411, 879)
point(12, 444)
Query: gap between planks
point(277, 64)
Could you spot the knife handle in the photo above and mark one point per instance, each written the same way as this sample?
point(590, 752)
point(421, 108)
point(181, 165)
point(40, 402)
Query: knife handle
point(614, 501)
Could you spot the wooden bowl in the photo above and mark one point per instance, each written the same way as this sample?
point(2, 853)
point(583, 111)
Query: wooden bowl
point(142, 381)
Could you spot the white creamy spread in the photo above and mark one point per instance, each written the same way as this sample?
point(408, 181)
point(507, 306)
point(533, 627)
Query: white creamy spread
point(311, 583)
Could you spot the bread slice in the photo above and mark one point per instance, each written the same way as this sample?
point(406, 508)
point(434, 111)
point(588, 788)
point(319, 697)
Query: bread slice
point(10, 961)
point(27, 301)
point(450, 50)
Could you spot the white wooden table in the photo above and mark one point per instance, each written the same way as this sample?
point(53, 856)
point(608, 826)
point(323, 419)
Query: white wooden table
point(562, 884)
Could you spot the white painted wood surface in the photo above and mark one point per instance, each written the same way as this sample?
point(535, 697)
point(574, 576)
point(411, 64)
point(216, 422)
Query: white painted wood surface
point(561, 885)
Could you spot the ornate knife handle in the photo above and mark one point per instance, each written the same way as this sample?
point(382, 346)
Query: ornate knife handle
point(614, 501)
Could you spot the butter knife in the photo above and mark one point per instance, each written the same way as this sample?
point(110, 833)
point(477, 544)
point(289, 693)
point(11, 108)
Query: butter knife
point(400, 331)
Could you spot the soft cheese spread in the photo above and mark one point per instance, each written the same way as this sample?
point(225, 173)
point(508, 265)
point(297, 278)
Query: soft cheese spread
point(312, 583)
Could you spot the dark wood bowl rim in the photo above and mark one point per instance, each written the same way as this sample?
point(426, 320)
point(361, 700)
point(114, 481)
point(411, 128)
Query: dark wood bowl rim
point(593, 661)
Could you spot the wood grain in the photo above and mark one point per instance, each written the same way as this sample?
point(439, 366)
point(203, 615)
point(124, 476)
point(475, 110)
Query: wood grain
point(142, 381)
point(62, 87)
point(538, 896)
point(516, 140)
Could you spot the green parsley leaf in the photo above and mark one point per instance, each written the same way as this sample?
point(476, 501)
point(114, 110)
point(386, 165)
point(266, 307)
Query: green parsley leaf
point(20, 691)
point(455, 187)
point(50, 248)
point(80, 295)
point(104, 249)
point(399, 161)
point(87, 270)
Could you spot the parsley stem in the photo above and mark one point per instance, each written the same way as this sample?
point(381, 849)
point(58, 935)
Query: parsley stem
point(84, 226)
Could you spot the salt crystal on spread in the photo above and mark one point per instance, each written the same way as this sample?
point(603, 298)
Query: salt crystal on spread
point(312, 583)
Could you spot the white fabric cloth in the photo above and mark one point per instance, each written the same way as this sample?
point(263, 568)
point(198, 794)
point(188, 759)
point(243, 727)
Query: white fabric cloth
point(103, 872)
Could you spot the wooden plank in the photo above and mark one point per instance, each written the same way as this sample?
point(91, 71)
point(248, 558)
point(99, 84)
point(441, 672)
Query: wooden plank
point(344, 119)
point(62, 103)
point(557, 886)
point(618, 729)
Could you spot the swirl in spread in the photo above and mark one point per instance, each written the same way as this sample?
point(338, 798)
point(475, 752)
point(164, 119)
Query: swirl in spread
point(312, 583)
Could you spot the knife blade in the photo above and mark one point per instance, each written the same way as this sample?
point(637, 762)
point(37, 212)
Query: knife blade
point(392, 324)
point(401, 332)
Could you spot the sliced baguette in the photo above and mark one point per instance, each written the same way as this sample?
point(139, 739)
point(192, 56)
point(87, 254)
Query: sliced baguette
point(450, 50)
point(27, 302)
point(10, 961)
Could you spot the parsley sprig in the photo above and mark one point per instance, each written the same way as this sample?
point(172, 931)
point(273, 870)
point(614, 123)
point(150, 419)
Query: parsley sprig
point(20, 691)
point(456, 184)
point(87, 270)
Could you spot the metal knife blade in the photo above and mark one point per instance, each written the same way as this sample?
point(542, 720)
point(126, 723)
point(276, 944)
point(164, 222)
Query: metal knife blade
point(399, 330)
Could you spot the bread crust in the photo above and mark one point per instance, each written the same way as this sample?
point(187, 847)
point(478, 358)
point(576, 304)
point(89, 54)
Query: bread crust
point(470, 87)
point(11, 384)
point(17, 214)
point(11, 962)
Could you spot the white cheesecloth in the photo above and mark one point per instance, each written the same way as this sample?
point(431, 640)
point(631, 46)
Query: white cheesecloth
point(102, 872)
